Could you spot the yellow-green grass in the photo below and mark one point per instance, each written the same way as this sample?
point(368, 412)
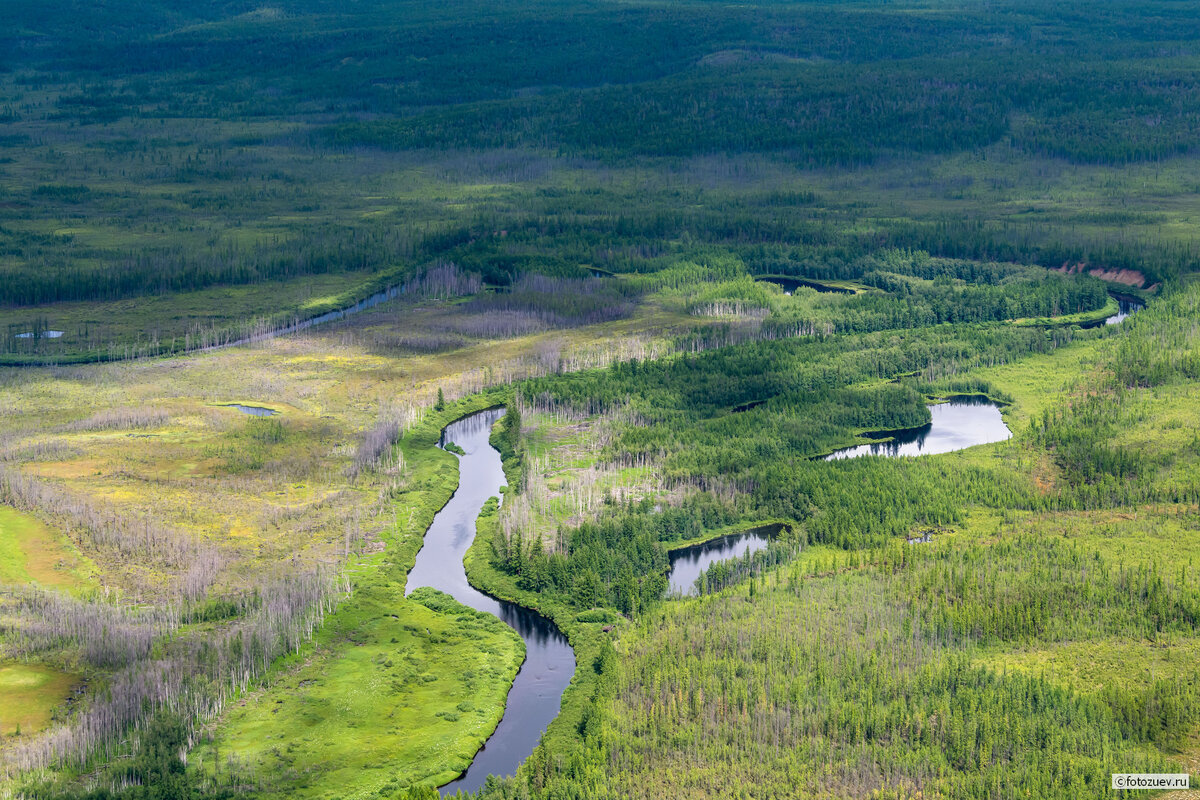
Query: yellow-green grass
point(1161, 425)
point(1044, 381)
point(854, 287)
point(391, 693)
point(1162, 536)
point(362, 718)
point(32, 553)
point(330, 388)
point(29, 695)
point(1093, 665)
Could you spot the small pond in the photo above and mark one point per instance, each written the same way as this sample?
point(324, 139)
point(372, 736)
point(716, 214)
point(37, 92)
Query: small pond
point(254, 411)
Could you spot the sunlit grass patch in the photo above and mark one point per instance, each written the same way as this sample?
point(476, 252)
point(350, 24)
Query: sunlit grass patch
point(392, 693)
point(31, 552)
point(29, 695)
point(1091, 666)
point(1165, 536)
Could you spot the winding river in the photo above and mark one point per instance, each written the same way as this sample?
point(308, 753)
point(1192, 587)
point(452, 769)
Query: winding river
point(536, 693)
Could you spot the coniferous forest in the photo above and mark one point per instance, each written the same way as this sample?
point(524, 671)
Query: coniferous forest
point(596, 400)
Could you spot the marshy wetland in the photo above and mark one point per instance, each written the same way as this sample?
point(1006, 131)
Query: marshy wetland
point(412, 399)
point(533, 701)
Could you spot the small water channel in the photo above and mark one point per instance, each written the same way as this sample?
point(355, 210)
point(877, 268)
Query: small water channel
point(536, 693)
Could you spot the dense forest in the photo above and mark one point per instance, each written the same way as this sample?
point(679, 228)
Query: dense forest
point(858, 674)
point(593, 120)
point(255, 259)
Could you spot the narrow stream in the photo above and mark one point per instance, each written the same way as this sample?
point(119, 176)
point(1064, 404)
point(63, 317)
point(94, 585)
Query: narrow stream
point(533, 700)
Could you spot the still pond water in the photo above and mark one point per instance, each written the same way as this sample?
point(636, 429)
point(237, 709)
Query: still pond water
point(962, 422)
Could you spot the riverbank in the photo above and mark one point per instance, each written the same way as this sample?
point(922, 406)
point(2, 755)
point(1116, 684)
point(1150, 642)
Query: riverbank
point(391, 691)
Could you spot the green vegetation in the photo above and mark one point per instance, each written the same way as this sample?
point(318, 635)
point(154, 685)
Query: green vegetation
point(692, 248)
point(976, 661)
point(418, 682)
point(31, 695)
point(30, 552)
point(227, 195)
point(158, 770)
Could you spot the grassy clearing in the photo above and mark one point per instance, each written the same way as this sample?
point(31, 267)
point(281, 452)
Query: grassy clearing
point(30, 694)
point(1090, 666)
point(30, 552)
point(390, 693)
point(1164, 536)
point(263, 500)
point(1042, 382)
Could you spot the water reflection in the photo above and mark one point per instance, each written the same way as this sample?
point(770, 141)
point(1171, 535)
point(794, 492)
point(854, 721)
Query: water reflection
point(254, 411)
point(689, 562)
point(535, 696)
point(1125, 307)
point(960, 423)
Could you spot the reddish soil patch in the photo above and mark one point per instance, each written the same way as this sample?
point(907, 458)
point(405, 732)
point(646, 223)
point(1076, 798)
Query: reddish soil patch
point(1129, 277)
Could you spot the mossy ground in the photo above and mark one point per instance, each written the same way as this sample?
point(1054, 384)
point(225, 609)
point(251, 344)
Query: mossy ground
point(261, 501)
point(30, 695)
point(31, 552)
point(389, 694)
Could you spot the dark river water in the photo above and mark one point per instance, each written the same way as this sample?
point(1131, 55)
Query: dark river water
point(688, 562)
point(534, 698)
point(960, 423)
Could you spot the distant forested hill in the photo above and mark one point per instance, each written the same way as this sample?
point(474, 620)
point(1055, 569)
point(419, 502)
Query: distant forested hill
point(153, 148)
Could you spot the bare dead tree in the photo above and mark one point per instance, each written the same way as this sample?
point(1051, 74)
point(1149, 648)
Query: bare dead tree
point(120, 419)
point(120, 534)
